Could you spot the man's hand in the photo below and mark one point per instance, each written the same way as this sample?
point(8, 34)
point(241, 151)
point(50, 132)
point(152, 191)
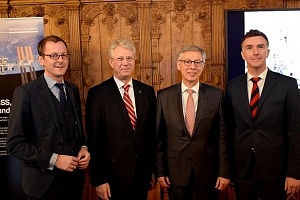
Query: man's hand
point(164, 181)
point(291, 185)
point(103, 191)
point(84, 158)
point(66, 163)
point(222, 183)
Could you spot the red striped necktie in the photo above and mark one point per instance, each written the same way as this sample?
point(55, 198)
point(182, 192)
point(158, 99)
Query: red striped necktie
point(129, 106)
point(254, 97)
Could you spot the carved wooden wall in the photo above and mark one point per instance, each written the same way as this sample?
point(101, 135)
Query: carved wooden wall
point(159, 29)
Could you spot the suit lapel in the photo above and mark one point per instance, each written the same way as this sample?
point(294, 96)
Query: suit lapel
point(269, 82)
point(242, 92)
point(46, 96)
point(202, 102)
point(138, 95)
point(71, 95)
point(178, 106)
point(116, 97)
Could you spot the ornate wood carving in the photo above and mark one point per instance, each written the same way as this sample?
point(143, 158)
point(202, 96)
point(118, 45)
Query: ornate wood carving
point(101, 23)
point(190, 24)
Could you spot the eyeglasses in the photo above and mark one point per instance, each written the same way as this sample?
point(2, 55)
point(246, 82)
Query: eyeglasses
point(121, 59)
point(197, 63)
point(55, 56)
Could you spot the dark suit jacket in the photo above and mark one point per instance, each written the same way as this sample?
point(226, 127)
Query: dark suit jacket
point(34, 132)
point(275, 134)
point(117, 151)
point(205, 152)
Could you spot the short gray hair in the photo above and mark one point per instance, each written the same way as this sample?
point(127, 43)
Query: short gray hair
point(192, 48)
point(125, 43)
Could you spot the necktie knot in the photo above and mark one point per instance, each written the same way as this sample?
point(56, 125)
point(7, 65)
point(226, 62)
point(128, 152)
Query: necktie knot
point(126, 87)
point(255, 79)
point(190, 91)
point(60, 85)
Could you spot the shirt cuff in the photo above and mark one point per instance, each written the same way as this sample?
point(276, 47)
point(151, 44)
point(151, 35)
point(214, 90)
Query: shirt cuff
point(52, 161)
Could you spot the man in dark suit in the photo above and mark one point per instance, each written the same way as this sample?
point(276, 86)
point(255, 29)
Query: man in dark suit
point(192, 160)
point(46, 134)
point(265, 141)
point(121, 144)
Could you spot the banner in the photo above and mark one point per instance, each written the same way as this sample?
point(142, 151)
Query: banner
point(18, 65)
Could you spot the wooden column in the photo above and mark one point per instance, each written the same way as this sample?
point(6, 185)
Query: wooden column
point(292, 4)
point(217, 47)
point(3, 9)
point(75, 67)
point(144, 15)
point(217, 37)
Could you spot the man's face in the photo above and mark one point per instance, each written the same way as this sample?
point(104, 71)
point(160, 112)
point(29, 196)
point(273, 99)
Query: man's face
point(123, 62)
point(255, 51)
point(55, 69)
point(190, 74)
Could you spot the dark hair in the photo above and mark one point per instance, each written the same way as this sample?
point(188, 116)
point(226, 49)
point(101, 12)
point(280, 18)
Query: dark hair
point(51, 38)
point(254, 33)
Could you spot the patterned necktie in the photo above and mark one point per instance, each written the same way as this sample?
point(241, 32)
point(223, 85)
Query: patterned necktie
point(254, 97)
point(129, 106)
point(190, 112)
point(62, 96)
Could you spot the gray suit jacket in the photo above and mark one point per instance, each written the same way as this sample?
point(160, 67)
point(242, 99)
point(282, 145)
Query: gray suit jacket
point(205, 152)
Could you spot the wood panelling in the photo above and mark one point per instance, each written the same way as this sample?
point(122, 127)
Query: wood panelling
point(159, 29)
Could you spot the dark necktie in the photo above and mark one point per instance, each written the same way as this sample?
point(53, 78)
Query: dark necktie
point(62, 96)
point(190, 112)
point(254, 97)
point(129, 106)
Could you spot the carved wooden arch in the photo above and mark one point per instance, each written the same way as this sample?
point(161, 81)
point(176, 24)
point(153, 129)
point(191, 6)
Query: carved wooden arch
point(180, 7)
point(60, 15)
point(90, 12)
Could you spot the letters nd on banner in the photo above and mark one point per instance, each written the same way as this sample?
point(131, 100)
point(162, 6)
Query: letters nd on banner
point(18, 65)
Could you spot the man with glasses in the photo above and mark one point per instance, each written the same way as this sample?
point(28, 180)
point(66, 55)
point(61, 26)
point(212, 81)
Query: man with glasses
point(120, 124)
point(45, 129)
point(192, 153)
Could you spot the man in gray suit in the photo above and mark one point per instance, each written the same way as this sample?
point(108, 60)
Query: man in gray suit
point(265, 136)
point(192, 159)
point(45, 129)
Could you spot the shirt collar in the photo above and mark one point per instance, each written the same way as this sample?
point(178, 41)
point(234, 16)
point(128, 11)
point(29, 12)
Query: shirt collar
point(195, 88)
point(50, 82)
point(263, 75)
point(120, 83)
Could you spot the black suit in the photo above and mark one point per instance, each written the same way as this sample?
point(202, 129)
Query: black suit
point(121, 156)
point(34, 133)
point(203, 155)
point(273, 138)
